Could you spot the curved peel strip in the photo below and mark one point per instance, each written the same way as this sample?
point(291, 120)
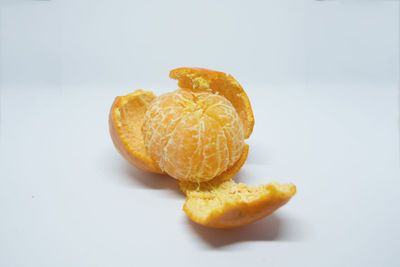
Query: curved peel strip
point(228, 204)
point(125, 122)
point(198, 79)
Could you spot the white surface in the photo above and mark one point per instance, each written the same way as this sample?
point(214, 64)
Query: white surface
point(323, 81)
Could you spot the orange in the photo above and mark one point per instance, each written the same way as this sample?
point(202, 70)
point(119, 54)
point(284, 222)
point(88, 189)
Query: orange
point(196, 135)
point(193, 136)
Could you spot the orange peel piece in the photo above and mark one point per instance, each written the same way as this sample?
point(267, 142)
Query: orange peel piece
point(228, 204)
point(198, 79)
point(125, 123)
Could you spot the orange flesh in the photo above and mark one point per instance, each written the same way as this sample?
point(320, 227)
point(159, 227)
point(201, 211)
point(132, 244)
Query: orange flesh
point(193, 136)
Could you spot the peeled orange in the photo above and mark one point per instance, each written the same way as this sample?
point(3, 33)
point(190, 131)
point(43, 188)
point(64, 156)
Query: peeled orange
point(193, 136)
point(196, 134)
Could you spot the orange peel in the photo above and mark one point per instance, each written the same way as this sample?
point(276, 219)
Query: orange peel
point(227, 204)
point(125, 122)
point(216, 101)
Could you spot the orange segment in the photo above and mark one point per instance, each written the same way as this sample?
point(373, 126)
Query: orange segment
point(228, 204)
point(226, 175)
point(125, 122)
point(198, 80)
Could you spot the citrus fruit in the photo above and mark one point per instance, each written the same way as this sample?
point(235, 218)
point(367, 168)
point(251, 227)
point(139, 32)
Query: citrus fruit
point(193, 136)
point(196, 135)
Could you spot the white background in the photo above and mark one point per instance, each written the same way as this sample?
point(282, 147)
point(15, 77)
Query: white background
point(322, 77)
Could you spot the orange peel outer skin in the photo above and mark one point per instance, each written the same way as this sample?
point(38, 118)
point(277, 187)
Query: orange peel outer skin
point(135, 158)
point(198, 79)
point(239, 214)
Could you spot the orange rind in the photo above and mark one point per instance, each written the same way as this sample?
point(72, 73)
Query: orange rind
point(228, 204)
point(125, 122)
point(196, 134)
